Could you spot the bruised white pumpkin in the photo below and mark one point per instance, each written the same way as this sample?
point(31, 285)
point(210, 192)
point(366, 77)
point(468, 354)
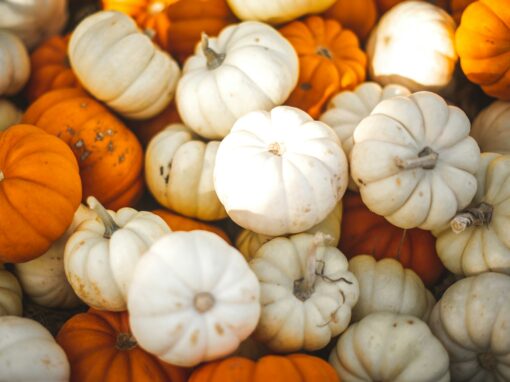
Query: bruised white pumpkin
point(307, 292)
point(414, 162)
point(280, 172)
point(472, 322)
point(9, 114)
point(491, 128)
point(11, 295)
point(179, 173)
point(120, 65)
point(193, 298)
point(413, 45)
point(386, 286)
point(390, 347)
point(101, 255)
point(29, 353)
point(14, 63)
point(249, 66)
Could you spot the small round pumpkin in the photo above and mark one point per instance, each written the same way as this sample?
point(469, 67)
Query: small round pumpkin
point(14, 64)
point(359, 16)
point(11, 295)
point(40, 189)
point(9, 114)
point(491, 130)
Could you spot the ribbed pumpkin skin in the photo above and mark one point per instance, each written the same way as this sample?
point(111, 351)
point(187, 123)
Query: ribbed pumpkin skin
point(90, 341)
point(360, 16)
point(330, 61)
point(108, 153)
point(272, 368)
point(364, 232)
point(482, 44)
point(40, 190)
point(181, 223)
point(50, 68)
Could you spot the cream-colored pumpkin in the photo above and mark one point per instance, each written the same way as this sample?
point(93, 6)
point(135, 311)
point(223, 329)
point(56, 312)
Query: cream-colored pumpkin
point(248, 67)
point(179, 173)
point(348, 108)
point(491, 128)
point(413, 45)
point(472, 322)
point(33, 20)
point(280, 172)
point(390, 347)
point(386, 286)
point(275, 12)
point(101, 255)
point(120, 65)
point(11, 295)
point(478, 238)
point(14, 63)
point(414, 161)
point(43, 279)
point(9, 114)
point(248, 242)
point(307, 292)
point(193, 298)
point(29, 353)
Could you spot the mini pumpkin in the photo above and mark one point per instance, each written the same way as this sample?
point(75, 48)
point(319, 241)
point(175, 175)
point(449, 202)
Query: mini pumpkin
point(14, 64)
point(248, 67)
point(414, 161)
point(491, 130)
point(199, 290)
point(330, 60)
point(40, 189)
point(99, 47)
point(9, 114)
point(11, 295)
point(307, 292)
point(280, 172)
point(100, 347)
point(179, 173)
point(359, 16)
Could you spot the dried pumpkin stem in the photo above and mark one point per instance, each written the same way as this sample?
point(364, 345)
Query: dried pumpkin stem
point(275, 149)
point(476, 216)
point(427, 159)
point(203, 302)
point(2, 176)
point(214, 60)
point(109, 224)
point(125, 341)
point(487, 361)
point(325, 52)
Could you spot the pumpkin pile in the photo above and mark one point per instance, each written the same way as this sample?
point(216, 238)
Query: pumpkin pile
point(255, 190)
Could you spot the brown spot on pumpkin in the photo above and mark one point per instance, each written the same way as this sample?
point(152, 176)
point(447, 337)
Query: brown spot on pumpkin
point(194, 338)
point(420, 193)
point(161, 170)
point(218, 329)
point(360, 181)
point(84, 105)
point(387, 40)
point(305, 86)
point(110, 147)
point(122, 158)
point(84, 155)
point(167, 178)
point(398, 181)
point(257, 39)
point(394, 325)
point(410, 322)
point(99, 136)
point(109, 132)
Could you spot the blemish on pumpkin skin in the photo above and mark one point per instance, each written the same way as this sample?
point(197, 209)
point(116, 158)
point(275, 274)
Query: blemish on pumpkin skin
point(194, 338)
point(387, 40)
point(410, 322)
point(85, 155)
point(398, 181)
point(305, 86)
point(79, 144)
point(360, 181)
point(161, 170)
point(109, 147)
point(99, 136)
point(218, 329)
point(84, 105)
point(122, 158)
point(167, 178)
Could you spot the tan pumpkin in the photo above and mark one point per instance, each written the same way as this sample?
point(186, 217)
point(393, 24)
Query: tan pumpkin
point(9, 114)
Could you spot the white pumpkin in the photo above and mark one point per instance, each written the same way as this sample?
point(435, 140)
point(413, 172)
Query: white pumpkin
point(120, 65)
point(11, 295)
point(491, 128)
point(43, 279)
point(179, 173)
point(472, 322)
point(193, 298)
point(280, 172)
point(413, 45)
point(33, 21)
point(29, 353)
point(307, 292)
point(348, 108)
point(101, 255)
point(390, 347)
point(478, 238)
point(14, 63)
point(9, 114)
point(275, 12)
point(248, 67)
point(386, 286)
point(414, 162)
point(248, 242)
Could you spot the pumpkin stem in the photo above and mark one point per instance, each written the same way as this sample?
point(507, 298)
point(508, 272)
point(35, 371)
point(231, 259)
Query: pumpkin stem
point(487, 361)
point(304, 287)
point(275, 148)
point(125, 341)
point(475, 216)
point(2, 176)
point(325, 52)
point(109, 224)
point(203, 302)
point(214, 60)
point(427, 159)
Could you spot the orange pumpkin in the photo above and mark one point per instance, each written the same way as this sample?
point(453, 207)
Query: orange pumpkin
point(100, 347)
point(181, 223)
point(273, 368)
point(40, 190)
point(359, 16)
point(483, 44)
point(50, 68)
point(364, 232)
point(109, 155)
point(385, 5)
point(330, 60)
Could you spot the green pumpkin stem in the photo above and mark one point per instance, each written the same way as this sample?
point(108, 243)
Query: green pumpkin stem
point(109, 224)
point(214, 60)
